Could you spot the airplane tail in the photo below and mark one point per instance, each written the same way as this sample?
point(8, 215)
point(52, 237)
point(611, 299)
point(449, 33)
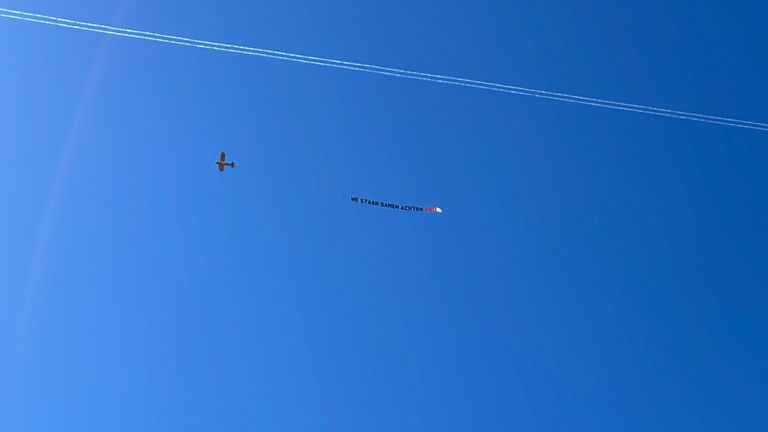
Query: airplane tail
point(233, 164)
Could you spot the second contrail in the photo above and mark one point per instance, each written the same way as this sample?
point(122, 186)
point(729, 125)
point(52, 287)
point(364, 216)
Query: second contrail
point(381, 70)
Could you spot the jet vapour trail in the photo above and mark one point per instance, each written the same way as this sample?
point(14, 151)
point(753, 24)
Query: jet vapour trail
point(346, 65)
point(362, 67)
point(381, 72)
point(602, 102)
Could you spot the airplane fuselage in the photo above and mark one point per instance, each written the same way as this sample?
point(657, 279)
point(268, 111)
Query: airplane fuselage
point(222, 162)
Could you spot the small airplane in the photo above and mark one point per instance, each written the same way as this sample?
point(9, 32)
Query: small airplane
point(222, 162)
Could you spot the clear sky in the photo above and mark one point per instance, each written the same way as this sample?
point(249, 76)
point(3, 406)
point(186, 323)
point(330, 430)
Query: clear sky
point(593, 270)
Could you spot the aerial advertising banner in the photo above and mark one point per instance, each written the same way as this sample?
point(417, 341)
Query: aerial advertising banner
point(393, 206)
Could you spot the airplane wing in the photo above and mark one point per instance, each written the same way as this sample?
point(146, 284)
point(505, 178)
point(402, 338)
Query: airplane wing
point(223, 157)
point(221, 167)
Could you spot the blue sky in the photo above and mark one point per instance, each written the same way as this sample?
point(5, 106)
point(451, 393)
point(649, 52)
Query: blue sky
point(594, 270)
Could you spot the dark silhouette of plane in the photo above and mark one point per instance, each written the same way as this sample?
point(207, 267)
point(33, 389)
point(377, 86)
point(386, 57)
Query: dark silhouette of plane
point(222, 162)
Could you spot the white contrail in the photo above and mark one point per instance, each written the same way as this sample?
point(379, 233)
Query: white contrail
point(388, 69)
point(362, 67)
